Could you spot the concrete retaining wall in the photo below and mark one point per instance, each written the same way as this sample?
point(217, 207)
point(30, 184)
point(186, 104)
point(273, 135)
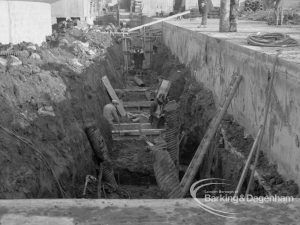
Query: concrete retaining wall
point(214, 60)
point(28, 21)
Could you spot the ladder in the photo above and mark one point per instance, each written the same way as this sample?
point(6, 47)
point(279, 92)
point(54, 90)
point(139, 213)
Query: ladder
point(208, 137)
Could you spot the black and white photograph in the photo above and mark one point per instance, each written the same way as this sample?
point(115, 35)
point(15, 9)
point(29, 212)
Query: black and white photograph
point(149, 112)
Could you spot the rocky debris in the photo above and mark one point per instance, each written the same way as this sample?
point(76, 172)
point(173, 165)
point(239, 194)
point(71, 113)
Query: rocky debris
point(76, 65)
point(35, 56)
point(14, 61)
point(31, 47)
point(3, 61)
point(23, 54)
point(46, 111)
point(34, 69)
point(64, 41)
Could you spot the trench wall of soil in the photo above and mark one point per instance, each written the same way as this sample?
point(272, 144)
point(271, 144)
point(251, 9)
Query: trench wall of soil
point(212, 62)
point(46, 101)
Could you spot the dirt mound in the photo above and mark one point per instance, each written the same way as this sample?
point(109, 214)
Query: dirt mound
point(48, 93)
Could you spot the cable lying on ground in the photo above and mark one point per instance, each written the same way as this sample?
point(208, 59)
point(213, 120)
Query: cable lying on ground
point(272, 40)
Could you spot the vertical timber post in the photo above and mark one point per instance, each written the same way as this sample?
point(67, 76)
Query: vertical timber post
point(147, 49)
point(224, 16)
point(125, 52)
point(118, 13)
point(234, 7)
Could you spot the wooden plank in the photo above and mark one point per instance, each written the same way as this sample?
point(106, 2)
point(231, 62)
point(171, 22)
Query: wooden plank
point(134, 104)
point(132, 90)
point(132, 126)
point(164, 88)
point(209, 135)
point(113, 95)
point(138, 132)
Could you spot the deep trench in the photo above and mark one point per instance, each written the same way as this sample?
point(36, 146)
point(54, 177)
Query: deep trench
point(133, 165)
point(70, 153)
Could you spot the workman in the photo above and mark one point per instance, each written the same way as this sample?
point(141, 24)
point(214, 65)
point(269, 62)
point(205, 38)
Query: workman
point(156, 112)
point(110, 112)
point(135, 58)
point(205, 6)
point(138, 58)
point(141, 58)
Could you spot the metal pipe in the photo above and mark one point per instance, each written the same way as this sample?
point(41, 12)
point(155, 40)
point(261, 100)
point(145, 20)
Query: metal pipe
point(158, 21)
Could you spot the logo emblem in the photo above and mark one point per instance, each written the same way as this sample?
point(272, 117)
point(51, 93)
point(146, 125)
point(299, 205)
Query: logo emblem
point(203, 183)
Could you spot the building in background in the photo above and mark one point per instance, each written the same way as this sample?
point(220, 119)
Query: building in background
point(83, 9)
point(25, 20)
point(191, 4)
point(152, 7)
point(290, 4)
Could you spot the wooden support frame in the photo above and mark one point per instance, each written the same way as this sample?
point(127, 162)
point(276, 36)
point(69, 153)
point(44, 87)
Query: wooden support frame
point(206, 140)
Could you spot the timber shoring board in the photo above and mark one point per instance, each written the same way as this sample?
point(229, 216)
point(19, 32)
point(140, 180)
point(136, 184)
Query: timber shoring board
point(132, 126)
point(138, 132)
point(113, 95)
point(137, 104)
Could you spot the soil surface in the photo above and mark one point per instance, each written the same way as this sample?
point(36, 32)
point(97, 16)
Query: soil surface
point(47, 95)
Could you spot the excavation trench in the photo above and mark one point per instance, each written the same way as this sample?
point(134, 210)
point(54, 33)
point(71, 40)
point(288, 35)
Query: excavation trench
point(132, 160)
point(61, 139)
point(225, 158)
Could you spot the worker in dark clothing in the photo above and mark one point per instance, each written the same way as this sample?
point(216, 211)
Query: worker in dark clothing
point(141, 58)
point(156, 112)
point(138, 58)
point(155, 49)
